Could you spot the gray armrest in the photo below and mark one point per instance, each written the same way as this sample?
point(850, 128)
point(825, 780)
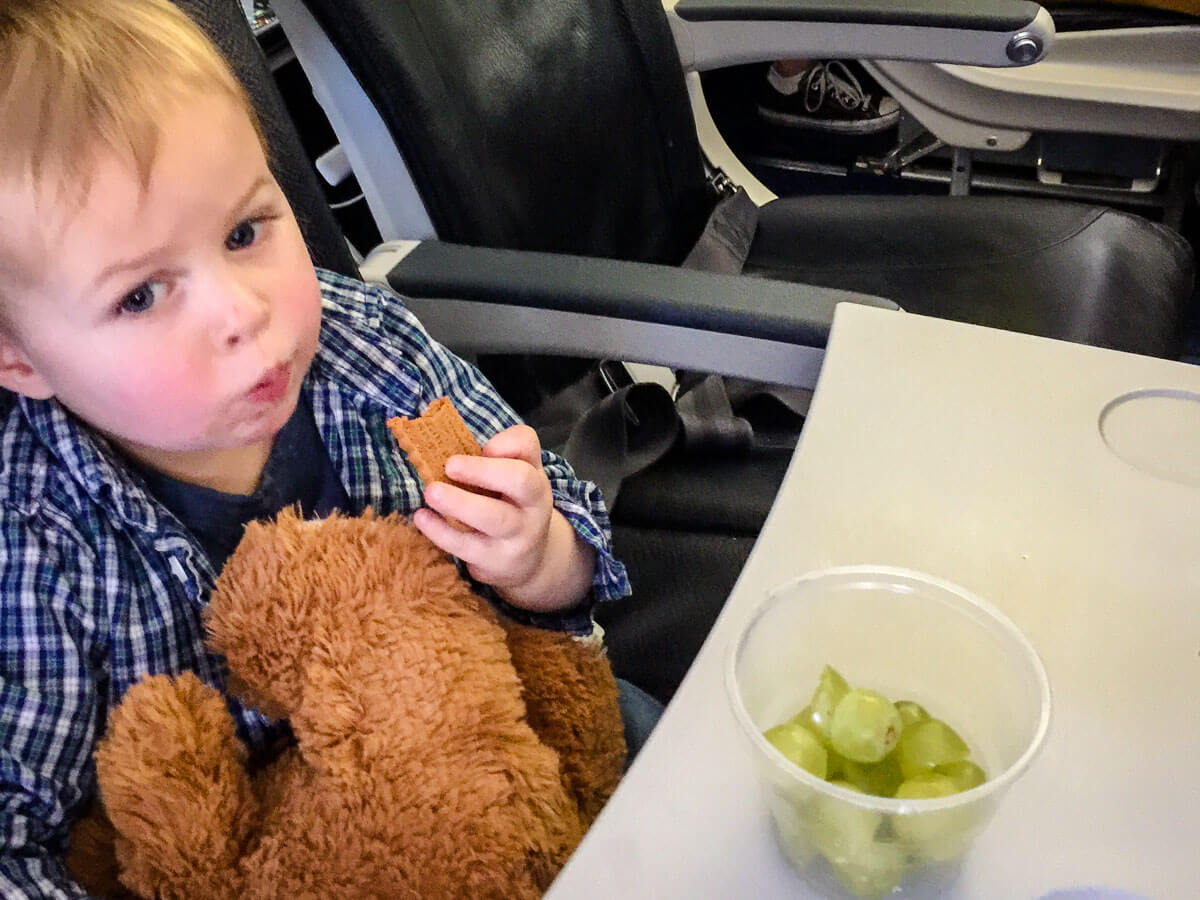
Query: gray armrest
point(478, 300)
point(979, 15)
point(715, 33)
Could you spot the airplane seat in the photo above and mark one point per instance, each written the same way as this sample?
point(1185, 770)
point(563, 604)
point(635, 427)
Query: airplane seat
point(564, 125)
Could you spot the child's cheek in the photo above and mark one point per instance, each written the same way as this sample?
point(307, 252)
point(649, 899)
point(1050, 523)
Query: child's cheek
point(171, 393)
point(303, 307)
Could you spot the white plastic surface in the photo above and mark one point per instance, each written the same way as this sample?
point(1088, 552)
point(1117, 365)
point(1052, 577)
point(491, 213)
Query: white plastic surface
point(334, 165)
point(717, 151)
point(974, 455)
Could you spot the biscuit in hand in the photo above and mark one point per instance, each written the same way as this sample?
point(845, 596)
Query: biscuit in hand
point(431, 439)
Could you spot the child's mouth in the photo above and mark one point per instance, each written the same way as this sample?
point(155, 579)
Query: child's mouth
point(273, 386)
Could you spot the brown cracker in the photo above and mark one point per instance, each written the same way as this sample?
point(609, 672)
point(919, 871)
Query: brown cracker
point(431, 439)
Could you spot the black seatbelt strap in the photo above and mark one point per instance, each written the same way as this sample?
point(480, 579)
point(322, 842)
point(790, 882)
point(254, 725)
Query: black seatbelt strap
point(609, 437)
point(725, 242)
point(624, 434)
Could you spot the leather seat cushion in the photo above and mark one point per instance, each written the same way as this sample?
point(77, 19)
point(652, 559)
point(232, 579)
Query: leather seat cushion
point(1064, 270)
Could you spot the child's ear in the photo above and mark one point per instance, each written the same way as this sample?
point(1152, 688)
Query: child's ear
point(17, 372)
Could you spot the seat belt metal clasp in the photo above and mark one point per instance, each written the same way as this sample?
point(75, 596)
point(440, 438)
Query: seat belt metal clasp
point(721, 184)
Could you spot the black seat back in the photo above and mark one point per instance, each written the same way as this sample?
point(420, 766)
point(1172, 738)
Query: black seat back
point(560, 126)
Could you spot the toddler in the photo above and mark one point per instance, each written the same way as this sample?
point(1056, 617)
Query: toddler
point(177, 368)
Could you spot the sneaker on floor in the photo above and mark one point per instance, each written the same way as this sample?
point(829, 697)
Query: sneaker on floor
point(829, 97)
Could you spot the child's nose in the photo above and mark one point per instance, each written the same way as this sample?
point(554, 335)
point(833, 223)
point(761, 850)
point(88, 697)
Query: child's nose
point(245, 314)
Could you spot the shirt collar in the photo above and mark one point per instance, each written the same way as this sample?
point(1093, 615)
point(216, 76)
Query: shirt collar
point(93, 462)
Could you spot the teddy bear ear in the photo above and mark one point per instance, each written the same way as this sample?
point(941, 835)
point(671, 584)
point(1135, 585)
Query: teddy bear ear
point(261, 612)
point(289, 521)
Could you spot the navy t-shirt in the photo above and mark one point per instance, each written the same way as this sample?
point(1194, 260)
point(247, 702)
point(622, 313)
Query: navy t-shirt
point(298, 472)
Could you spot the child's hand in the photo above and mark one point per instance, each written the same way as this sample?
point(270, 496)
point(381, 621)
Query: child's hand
point(519, 543)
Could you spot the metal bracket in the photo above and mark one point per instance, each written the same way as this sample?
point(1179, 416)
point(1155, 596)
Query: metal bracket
point(904, 154)
point(960, 172)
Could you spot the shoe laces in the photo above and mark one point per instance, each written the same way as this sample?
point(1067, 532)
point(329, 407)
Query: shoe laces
point(834, 78)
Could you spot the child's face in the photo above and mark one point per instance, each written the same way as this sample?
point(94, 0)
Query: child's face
point(180, 321)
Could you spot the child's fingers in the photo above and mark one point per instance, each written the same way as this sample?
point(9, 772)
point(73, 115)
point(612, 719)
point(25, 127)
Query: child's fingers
point(492, 516)
point(465, 545)
point(516, 479)
point(516, 442)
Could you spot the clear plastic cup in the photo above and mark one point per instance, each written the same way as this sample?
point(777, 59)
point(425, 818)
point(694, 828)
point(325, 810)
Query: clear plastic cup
point(909, 636)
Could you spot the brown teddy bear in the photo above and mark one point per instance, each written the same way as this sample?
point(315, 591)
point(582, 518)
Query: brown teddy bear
point(440, 752)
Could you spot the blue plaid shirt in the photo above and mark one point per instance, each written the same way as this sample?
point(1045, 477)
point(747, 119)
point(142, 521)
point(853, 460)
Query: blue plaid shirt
point(100, 585)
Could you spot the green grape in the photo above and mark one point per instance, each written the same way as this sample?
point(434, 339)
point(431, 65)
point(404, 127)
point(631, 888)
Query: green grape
point(831, 688)
point(929, 744)
point(866, 726)
point(911, 712)
point(814, 721)
point(964, 773)
point(839, 829)
point(800, 746)
point(791, 826)
point(935, 835)
point(858, 740)
point(926, 786)
point(836, 767)
point(880, 779)
point(874, 871)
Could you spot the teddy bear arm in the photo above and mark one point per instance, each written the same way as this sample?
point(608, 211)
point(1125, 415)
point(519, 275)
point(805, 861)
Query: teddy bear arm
point(571, 702)
point(173, 782)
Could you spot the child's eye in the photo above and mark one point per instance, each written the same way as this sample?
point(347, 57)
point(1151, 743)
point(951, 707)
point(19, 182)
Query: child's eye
point(244, 234)
point(141, 298)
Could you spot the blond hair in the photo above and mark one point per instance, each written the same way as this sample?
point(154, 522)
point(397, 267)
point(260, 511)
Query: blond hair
point(79, 78)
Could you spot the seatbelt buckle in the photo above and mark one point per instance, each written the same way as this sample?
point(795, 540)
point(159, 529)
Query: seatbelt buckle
point(722, 185)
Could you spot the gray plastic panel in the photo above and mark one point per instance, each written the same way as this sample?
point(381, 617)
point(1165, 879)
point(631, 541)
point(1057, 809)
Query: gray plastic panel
point(977, 15)
point(629, 291)
point(713, 43)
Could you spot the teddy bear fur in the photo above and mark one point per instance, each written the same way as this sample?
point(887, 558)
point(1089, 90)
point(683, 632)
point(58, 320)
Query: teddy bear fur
point(439, 751)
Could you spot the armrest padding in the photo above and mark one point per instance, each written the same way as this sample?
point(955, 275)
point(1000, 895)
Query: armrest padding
point(632, 291)
point(976, 15)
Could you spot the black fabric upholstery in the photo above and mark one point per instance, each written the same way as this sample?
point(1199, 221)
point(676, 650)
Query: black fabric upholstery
point(1081, 15)
point(684, 529)
point(682, 579)
point(691, 492)
point(226, 24)
point(1080, 273)
point(502, 112)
